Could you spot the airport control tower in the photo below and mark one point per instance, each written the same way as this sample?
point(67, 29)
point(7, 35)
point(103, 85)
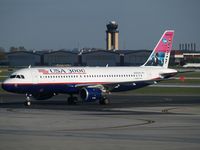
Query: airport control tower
point(112, 36)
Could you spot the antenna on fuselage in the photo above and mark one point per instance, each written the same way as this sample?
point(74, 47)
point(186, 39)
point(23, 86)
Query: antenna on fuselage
point(29, 66)
point(107, 65)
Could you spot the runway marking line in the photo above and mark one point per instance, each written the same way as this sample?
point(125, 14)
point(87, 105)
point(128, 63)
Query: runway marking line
point(146, 122)
point(167, 110)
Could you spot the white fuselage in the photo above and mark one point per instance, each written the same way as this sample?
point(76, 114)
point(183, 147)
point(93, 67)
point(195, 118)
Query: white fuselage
point(88, 75)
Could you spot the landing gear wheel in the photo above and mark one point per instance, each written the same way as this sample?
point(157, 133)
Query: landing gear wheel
point(72, 100)
point(104, 101)
point(27, 103)
point(28, 100)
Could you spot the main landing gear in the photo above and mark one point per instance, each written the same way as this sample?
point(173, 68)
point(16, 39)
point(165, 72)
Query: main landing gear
point(72, 100)
point(104, 101)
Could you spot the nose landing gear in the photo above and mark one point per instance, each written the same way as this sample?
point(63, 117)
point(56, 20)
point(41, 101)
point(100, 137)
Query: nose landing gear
point(28, 100)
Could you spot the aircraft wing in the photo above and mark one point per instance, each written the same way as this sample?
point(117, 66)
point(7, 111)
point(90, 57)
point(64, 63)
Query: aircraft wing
point(111, 86)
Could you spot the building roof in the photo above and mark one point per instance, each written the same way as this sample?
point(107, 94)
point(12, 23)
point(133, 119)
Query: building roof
point(125, 52)
point(27, 52)
point(97, 51)
point(60, 51)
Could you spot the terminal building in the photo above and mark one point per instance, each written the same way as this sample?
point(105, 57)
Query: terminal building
point(23, 59)
point(61, 57)
point(94, 58)
point(181, 57)
point(135, 57)
point(100, 58)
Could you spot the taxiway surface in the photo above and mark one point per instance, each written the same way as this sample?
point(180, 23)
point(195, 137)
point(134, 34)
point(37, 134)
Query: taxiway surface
point(130, 122)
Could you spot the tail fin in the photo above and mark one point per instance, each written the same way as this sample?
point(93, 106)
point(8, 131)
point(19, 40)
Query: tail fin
point(161, 53)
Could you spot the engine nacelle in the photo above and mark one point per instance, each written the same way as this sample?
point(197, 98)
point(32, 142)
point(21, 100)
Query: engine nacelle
point(90, 94)
point(42, 96)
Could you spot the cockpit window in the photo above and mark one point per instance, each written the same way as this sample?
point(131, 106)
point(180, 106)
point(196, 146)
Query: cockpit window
point(22, 77)
point(13, 76)
point(17, 76)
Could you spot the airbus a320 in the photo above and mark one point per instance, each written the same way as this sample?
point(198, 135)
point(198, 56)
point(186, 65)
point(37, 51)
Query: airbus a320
point(91, 84)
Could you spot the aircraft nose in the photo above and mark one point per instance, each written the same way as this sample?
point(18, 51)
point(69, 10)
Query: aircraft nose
point(6, 86)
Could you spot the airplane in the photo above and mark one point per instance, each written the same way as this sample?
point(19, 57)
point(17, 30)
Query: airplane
point(92, 84)
point(192, 65)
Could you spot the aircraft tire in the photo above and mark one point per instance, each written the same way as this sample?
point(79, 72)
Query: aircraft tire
point(72, 100)
point(27, 103)
point(104, 101)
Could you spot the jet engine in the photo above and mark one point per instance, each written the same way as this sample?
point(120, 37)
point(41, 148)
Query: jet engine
point(90, 94)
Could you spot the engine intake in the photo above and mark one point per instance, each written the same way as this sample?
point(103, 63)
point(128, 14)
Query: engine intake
point(90, 94)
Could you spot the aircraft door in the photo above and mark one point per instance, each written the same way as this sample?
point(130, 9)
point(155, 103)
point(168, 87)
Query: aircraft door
point(148, 75)
point(34, 76)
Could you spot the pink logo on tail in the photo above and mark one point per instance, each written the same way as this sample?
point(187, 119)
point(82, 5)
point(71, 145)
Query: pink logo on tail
point(161, 53)
point(165, 43)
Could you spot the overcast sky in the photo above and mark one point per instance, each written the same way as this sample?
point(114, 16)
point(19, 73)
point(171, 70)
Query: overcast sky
point(57, 24)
